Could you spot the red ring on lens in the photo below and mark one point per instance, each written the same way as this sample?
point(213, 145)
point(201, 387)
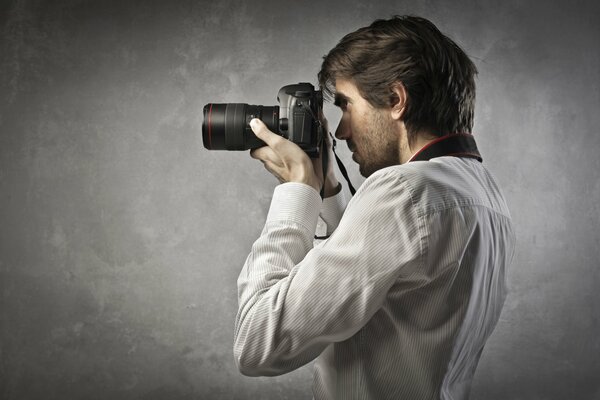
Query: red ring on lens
point(209, 127)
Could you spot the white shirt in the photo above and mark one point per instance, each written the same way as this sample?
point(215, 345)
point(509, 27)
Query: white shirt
point(398, 302)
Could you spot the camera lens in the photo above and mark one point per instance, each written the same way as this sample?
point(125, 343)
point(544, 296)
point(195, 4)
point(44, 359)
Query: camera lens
point(227, 126)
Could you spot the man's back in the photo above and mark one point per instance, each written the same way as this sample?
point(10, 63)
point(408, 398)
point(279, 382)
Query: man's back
point(425, 338)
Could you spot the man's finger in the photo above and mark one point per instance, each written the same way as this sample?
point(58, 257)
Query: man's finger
point(275, 170)
point(263, 133)
point(264, 153)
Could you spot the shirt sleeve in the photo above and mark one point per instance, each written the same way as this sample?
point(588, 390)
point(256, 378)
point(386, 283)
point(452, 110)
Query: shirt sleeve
point(295, 300)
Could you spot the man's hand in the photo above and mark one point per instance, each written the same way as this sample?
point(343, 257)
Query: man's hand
point(284, 159)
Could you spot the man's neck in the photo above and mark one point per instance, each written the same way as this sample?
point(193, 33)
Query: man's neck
point(408, 150)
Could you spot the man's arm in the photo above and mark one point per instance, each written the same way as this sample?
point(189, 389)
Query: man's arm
point(288, 163)
point(295, 300)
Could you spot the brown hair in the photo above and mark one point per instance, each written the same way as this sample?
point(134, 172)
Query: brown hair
point(438, 76)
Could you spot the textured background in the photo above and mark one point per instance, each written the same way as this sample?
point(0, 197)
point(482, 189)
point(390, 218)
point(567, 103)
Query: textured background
point(121, 238)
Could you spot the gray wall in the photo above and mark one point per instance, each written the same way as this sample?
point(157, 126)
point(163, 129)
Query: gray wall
point(121, 238)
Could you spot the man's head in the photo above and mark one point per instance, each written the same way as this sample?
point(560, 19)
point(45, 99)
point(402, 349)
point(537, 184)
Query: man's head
point(405, 62)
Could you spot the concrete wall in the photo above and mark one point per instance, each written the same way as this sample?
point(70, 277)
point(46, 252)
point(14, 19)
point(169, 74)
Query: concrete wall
point(121, 238)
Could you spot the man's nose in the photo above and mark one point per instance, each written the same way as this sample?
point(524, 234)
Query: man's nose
point(342, 132)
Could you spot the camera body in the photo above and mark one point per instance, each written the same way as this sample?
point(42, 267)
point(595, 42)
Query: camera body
point(227, 126)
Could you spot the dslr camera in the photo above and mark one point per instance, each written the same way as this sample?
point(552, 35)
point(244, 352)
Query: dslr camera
point(227, 126)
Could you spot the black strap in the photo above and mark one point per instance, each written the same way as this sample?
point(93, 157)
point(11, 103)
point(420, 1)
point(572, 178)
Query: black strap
point(456, 145)
point(325, 160)
point(342, 167)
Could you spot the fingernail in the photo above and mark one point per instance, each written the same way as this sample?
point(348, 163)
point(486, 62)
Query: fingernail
point(254, 123)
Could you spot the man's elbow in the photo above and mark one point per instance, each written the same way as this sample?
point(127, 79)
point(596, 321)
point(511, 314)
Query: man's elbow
point(244, 363)
point(249, 369)
point(253, 364)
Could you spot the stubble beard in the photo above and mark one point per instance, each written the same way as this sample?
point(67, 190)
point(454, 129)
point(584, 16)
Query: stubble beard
point(380, 150)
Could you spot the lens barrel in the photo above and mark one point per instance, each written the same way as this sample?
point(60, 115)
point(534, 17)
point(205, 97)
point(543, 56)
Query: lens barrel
point(227, 126)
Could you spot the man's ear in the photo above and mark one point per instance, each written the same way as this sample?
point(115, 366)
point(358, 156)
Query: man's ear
point(398, 100)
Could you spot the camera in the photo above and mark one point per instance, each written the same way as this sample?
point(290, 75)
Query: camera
point(227, 126)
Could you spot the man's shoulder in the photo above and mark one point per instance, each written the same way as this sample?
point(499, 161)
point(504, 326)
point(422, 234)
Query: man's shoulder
point(442, 182)
point(385, 188)
point(394, 185)
point(389, 177)
point(413, 174)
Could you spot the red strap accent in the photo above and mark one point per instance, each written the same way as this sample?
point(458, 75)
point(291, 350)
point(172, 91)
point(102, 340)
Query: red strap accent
point(455, 154)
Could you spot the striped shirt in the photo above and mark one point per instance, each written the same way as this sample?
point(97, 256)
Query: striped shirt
point(398, 302)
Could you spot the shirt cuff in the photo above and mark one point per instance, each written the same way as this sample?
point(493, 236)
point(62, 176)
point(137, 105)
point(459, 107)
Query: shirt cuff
point(332, 210)
point(295, 202)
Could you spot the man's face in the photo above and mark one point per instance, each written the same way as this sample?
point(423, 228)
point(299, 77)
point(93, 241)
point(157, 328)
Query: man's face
point(371, 133)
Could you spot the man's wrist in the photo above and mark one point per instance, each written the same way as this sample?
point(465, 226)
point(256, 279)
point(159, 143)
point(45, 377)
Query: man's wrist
point(331, 187)
point(307, 176)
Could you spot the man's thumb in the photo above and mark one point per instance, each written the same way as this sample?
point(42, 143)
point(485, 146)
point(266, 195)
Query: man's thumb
point(261, 131)
point(258, 127)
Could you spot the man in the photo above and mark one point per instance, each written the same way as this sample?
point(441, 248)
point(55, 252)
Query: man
point(399, 301)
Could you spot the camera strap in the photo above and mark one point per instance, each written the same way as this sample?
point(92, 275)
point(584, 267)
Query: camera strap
point(342, 168)
point(455, 145)
point(325, 162)
point(339, 162)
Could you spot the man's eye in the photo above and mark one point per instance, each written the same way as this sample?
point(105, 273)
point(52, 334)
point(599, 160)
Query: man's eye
point(341, 103)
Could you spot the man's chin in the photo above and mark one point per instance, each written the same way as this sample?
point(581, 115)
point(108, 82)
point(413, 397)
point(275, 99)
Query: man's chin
point(362, 168)
point(364, 171)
